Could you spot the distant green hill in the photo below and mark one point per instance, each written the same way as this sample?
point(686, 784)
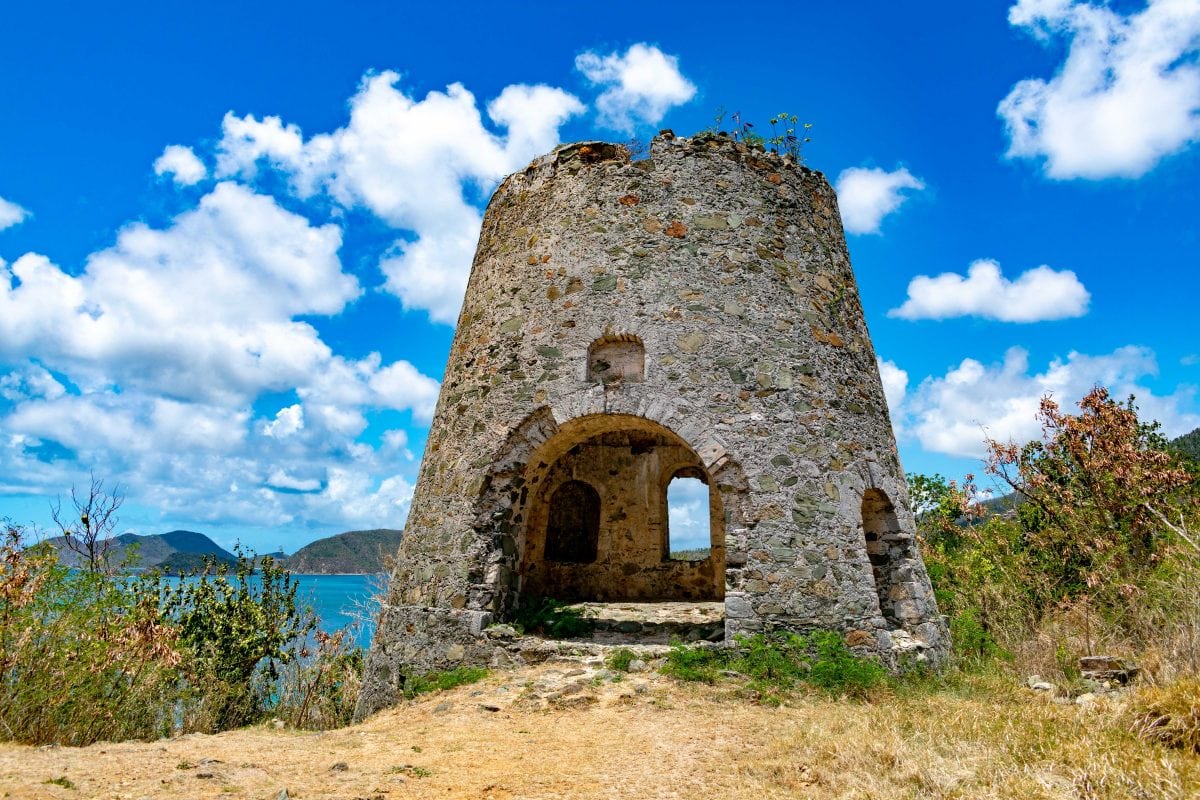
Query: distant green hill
point(175, 550)
point(1189, 445)
point(353, 552)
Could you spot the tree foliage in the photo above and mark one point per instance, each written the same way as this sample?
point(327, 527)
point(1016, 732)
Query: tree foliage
point(1098, 545)
point(1097, 485)
point(239, 626)
point(1188, 445)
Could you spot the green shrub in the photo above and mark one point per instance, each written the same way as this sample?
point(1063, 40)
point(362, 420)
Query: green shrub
point(971, 640)
point(87, 655)
point(551, 618)
point(777, 663)
point(81, 658)
point(690, 663)
point(620, 659)
point(836, 669)
point(441, 681)
point(237, 632)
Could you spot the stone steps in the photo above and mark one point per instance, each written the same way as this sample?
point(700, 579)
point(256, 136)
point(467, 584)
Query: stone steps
point(655, 623)
point(646, 628)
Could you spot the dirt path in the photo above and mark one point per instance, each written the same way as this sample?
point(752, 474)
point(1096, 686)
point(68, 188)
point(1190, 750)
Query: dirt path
point(557, 732)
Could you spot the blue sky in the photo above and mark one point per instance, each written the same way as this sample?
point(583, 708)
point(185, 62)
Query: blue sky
point(233, 238)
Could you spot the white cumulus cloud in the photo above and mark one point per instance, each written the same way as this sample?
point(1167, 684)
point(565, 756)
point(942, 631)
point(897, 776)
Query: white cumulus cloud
point(1127, 95)
point(11, 214)
point(641, 85)
point(280, 479)
point(359, 501)
point(955, 412)
point(150, 361)
point(1036, 295)
point(182, 164)
point(868, 194)
point(30, 381)
point(287, 422)
point(416, 164)
point(201, 309)
point(687, 514)
point(895, 382)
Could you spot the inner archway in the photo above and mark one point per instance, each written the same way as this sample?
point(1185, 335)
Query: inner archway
point(614, 470)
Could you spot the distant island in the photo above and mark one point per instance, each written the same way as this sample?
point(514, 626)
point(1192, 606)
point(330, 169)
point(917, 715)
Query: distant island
point(352, 552)
point(346, 553)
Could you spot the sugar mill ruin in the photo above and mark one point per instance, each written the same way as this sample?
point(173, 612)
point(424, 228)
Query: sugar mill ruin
point(689, 315)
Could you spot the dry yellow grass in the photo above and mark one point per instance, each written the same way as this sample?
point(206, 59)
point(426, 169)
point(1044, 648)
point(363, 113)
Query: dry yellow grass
point(644, 737)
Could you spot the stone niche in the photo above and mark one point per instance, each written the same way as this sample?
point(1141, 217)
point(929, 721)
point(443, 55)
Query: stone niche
point(596, 522)
point(895, 564)
point(614, 359)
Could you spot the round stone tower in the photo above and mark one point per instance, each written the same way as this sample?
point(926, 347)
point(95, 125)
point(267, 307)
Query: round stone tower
point(692, 314)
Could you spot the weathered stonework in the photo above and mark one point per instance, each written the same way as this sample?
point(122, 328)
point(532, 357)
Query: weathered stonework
point(691, 314)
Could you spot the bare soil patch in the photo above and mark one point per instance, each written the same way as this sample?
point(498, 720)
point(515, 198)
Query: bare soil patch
point(571, 731)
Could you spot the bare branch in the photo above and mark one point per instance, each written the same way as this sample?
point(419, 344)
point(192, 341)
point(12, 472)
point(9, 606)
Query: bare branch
point(1179, 530)
point(89, 534)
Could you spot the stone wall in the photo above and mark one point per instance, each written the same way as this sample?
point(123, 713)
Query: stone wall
point(723, 270)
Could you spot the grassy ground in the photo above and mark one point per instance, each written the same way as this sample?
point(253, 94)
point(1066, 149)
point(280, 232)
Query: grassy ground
point(558, 732)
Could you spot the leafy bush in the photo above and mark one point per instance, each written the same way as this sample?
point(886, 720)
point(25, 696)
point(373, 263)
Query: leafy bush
point(81, 657)
point(237, 631)
point(552, 618)
point(971, 640)
point(836, 669)
point(1093, 552)
point(620, 659)
point(88, 655)
point(700, 664)
point(1099, 486)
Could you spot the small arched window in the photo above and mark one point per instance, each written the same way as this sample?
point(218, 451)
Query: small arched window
point(573, 527)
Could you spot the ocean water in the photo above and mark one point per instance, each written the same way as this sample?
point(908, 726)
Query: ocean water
point(342, 600)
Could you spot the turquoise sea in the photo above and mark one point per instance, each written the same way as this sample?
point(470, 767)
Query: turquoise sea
point(341, 600)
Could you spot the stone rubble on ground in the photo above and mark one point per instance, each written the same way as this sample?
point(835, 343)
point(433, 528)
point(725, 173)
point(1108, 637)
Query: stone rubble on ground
point(1099, 676)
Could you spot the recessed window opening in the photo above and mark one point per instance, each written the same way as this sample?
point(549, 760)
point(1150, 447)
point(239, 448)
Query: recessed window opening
point(689, 533)
point(573, 527)
point(879, 521)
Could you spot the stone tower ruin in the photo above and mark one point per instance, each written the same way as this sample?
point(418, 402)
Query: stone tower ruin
point(691, 314)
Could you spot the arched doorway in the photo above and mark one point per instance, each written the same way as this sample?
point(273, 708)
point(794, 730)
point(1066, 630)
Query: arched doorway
point(594, 519)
